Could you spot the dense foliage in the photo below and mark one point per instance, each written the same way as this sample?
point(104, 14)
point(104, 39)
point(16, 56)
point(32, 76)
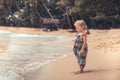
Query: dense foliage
point(99, 14)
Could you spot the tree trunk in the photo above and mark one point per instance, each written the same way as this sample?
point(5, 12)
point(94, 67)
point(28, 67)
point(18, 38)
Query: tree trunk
point(47, 10)
point(18, 7)
point(68, 18)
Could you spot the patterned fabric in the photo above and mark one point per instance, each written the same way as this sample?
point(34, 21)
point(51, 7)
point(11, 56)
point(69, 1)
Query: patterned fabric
point(77, 47)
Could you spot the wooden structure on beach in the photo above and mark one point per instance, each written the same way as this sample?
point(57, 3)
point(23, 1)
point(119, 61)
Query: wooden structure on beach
point(48, 21)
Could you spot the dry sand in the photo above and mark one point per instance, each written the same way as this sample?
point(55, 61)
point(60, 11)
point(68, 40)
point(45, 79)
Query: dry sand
point(103, 60)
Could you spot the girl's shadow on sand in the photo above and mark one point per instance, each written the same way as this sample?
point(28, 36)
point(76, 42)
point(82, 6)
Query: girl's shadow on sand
point(91, 71)
point(78, 72)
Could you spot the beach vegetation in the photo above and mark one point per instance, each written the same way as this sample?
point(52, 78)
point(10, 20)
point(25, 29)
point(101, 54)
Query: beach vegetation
point(98, 14)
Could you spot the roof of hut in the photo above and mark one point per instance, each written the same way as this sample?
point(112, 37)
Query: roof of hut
point(50, 21)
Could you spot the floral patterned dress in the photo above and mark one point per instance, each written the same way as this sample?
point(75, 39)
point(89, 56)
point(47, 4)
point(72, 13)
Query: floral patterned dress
point(76, 49)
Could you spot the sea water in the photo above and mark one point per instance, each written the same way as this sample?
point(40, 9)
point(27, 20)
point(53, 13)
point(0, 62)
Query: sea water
point(22, 53)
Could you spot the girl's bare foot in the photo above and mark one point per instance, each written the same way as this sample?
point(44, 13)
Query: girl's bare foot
point(81, 70)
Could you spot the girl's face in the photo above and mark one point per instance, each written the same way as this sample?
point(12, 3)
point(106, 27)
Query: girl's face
point(79, 28)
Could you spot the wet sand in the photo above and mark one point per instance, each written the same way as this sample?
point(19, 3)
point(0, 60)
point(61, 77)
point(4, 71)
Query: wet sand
point(102, 61)
point(3, 48)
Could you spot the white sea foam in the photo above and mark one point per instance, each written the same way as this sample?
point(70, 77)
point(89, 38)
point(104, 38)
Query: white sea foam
point(23, 35)
point(30, 35)
point(47, 38)
point(11, 75)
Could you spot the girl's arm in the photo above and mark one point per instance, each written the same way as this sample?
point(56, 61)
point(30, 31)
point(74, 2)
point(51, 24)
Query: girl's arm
point(84, 43)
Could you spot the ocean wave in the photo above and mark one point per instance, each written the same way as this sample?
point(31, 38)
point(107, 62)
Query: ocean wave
point(27, 53)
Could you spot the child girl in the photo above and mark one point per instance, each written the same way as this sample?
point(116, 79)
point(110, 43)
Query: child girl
point(80, 45)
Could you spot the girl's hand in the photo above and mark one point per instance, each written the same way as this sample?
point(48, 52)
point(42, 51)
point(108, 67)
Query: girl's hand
point(75, 44)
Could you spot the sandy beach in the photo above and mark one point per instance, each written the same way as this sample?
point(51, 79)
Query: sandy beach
point(103, 60)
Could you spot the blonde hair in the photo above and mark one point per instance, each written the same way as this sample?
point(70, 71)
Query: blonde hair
point(81, 23)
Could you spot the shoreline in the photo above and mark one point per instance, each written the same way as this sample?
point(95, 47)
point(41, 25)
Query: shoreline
point(37, 31)
point(102, 61)
point(60, 70)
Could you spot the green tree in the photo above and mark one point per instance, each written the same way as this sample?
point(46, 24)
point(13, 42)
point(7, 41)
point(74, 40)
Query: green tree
point(101, 12)
point(65, 6)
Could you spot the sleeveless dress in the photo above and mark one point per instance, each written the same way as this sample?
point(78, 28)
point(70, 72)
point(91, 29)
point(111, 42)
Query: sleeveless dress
point(76, 49)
